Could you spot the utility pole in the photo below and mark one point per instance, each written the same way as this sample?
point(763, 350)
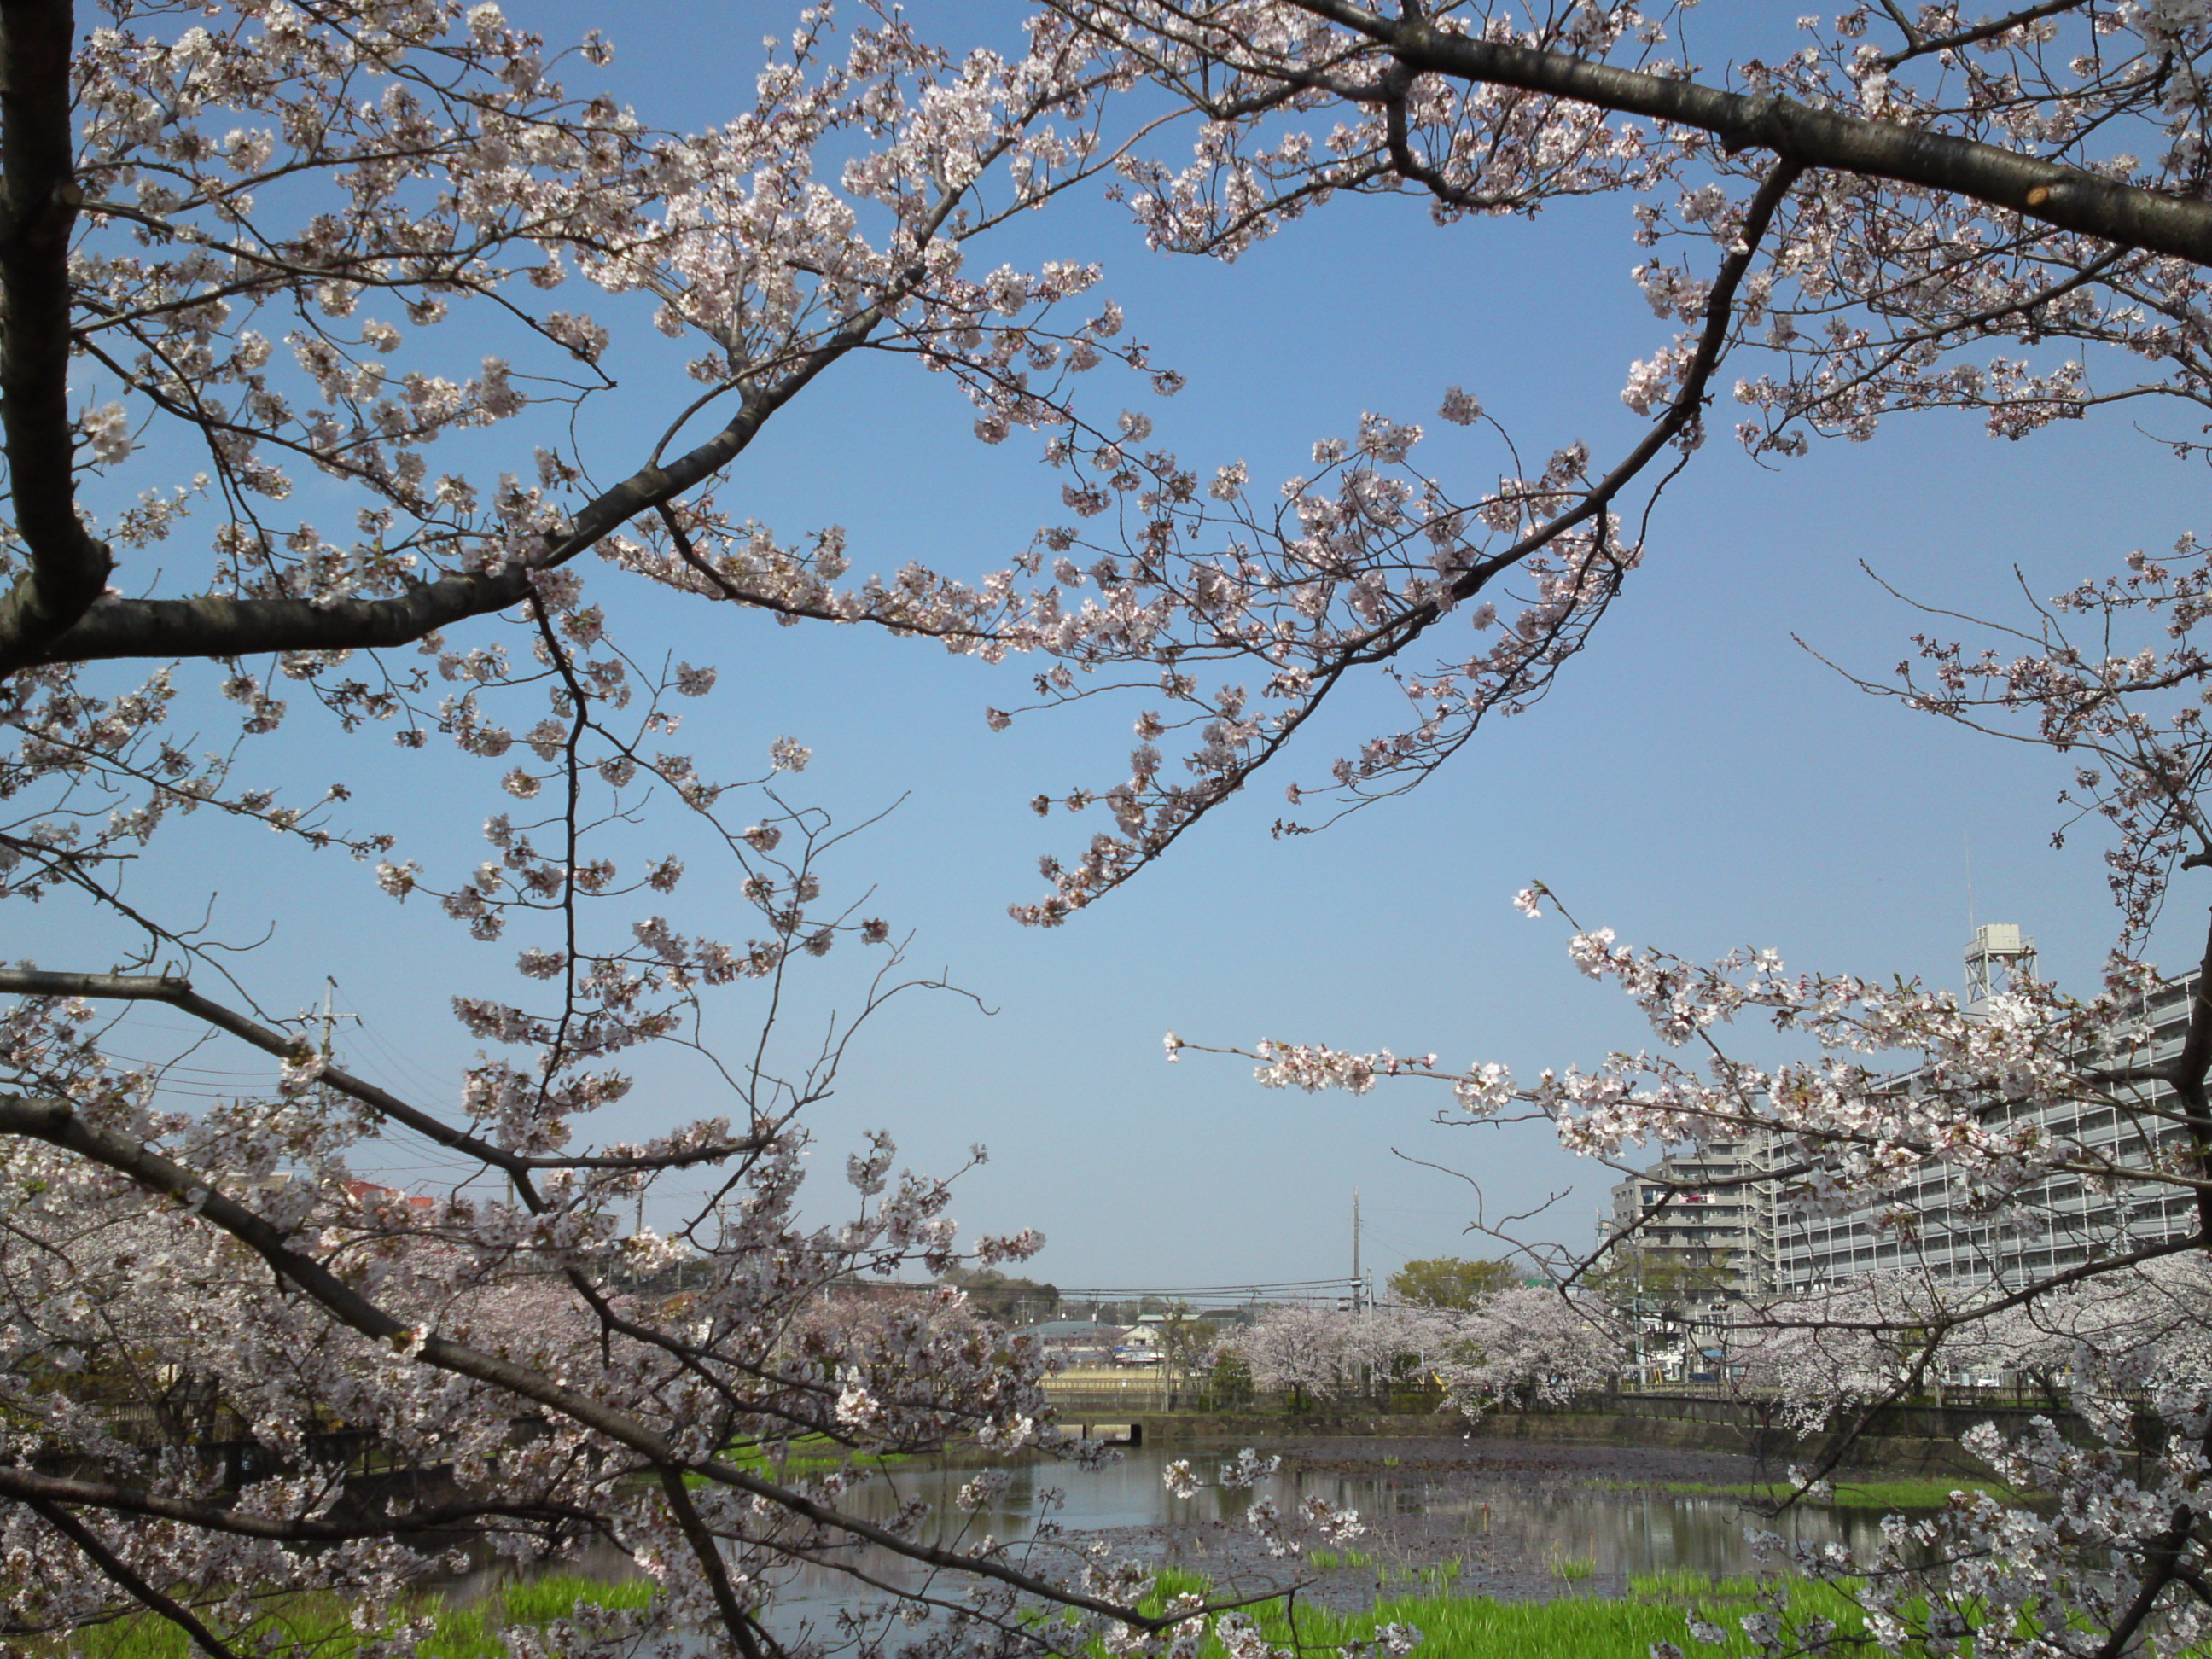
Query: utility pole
point(1358, 1284)
point(330, 1017)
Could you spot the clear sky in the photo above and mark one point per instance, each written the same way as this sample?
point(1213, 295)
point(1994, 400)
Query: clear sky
point(1697, 780)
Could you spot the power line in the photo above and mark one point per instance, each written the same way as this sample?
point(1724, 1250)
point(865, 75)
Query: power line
point(1293, 1290)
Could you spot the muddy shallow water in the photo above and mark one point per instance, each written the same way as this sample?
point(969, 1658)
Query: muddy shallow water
point(1510, 1519)
point(1523, 1520)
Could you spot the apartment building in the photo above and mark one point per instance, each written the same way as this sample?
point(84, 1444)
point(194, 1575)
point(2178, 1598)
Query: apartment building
point(1749, 1239)
point(1705, 1226)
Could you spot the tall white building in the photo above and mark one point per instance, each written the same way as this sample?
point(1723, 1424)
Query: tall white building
point(1769, 1248)
point(1704, 1227)
point(1703, 1242)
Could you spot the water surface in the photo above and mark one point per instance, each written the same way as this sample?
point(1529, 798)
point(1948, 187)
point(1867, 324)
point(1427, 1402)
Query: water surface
point(1511, 1532)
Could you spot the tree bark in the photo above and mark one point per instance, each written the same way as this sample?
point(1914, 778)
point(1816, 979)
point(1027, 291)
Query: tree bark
point(2067, 197)
point(220, 625)
point(38, 198)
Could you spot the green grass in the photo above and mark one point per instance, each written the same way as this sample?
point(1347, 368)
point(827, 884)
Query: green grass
point(1440, 1578)
point(812, 1454)
point(541, 1600)
point(320, 1622)
point(1923, 1494)
point(1657, 1609)
point(1882, 1495)
point(1570, 1568)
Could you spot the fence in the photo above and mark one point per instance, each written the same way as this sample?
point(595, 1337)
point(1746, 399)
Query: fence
point(1108, 1390)
point(1117, 1392)
point(2026, 1396)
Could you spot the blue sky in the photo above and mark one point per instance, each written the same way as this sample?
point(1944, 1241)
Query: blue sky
point(1697, 781)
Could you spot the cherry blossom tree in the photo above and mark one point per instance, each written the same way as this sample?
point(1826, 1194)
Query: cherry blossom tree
point(1890, 211)
point(1518, 1347)
point(291, 413)
point(1528, 1346)
point(283, 390)
point(1336, 1354)
point(1922, 1115)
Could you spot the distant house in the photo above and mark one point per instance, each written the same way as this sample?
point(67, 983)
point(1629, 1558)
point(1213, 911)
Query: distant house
point(1142, 1344)
point(1078, 1341)
point(371, 1195)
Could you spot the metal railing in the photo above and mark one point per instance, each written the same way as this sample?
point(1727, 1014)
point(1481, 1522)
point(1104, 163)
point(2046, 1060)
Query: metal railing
point(1148, 1390)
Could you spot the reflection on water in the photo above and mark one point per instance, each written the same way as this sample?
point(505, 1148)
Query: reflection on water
point(1499, 1525)
point(1619, 1534)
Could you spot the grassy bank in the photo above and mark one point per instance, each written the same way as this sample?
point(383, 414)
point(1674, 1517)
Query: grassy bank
point(1658, 1608)
point(811, 1454)
point(1882, 1496)
point(321, 1621)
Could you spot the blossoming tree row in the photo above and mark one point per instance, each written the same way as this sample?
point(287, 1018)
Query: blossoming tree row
point(307, 305)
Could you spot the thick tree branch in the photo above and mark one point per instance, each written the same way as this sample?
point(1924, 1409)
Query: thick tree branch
point(219, 625)
point(123, 1573)
point(39, 199)
point(2065, 197)
point(57, 1123)
point(735, 1619)
point(2187, 1075)
point(2160, 1556)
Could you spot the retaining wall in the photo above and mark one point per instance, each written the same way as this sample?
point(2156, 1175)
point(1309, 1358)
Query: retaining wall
point(1906, 1440)
point(1779, 1451)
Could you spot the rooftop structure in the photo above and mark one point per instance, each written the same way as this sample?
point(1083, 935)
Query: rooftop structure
point(1999, 957)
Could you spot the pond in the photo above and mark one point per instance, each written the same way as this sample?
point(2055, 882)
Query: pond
point(1483, 1517)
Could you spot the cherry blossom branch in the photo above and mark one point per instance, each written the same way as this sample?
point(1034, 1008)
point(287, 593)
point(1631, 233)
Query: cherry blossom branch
point(1922, 46)
point(30, 1486)
point(121, 1571)
point(2070, 198)
point(2028, 1295)
point(293, 1050)
point(1111, 862)
point(218, 625)
point(59, 1125)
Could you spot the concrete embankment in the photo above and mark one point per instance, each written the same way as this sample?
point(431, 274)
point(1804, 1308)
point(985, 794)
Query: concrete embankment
point(1902, 1454)
point(1908, 1440)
